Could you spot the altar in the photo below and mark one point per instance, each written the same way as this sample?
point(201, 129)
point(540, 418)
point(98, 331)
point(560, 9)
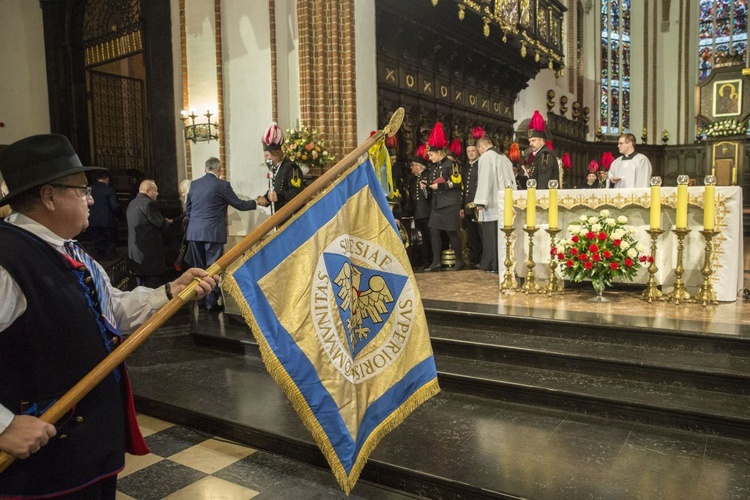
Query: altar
point(727, 259)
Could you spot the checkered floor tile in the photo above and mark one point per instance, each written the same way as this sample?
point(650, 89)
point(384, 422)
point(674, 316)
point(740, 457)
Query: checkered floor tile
point(186, 465)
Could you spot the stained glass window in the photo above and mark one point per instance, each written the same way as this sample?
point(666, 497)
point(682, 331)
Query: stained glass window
point(614, 110)
point(722, 34)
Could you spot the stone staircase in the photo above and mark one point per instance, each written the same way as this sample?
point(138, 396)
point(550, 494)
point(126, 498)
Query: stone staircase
point(687, 380)
point(675, 380)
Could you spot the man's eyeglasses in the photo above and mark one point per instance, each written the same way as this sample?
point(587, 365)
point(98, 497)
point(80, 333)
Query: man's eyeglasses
point(83, 191)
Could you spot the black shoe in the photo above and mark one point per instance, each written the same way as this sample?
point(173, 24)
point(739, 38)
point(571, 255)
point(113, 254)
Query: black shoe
point(433, 268)
point(477, 266)
point(457, 267)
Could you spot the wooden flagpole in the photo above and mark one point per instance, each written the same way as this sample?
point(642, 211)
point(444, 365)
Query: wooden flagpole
point(118, 355)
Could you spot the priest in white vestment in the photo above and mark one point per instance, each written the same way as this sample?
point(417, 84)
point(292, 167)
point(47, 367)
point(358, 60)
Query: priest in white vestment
point(631, 170)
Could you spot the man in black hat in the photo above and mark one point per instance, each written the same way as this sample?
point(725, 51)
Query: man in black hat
point(59, 318)
point(542, 164)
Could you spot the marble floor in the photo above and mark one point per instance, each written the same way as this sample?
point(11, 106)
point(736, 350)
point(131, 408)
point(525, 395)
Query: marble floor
point(502, 449)
point(189, 465)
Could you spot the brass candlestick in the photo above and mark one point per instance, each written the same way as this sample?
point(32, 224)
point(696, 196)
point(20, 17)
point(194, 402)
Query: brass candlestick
point(529, 284)
point(679, 294)
point(706, 294)
point(509, 279)
point(554, 285)
point(651, 292)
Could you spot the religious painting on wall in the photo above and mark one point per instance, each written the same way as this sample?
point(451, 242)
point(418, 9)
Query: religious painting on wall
point(727, 98)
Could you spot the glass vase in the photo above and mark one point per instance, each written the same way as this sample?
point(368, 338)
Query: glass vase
point(599, 289)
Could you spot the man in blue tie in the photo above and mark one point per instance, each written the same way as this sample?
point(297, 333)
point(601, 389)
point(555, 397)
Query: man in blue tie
point(206, 210)
point(60, 317)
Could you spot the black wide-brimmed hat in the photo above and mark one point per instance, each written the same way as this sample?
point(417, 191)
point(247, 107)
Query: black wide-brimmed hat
point(37, 160)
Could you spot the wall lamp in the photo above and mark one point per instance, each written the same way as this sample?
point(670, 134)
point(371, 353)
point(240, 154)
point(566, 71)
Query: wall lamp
point(199, 132)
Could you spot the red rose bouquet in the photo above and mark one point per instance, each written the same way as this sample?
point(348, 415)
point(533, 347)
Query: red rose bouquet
point(601, 249)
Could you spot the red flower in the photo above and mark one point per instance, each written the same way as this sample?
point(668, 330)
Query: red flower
point(607, 254)
point(590, 235)
point(593, 248)
point(602, 236)
point(552, 251)
point(596, 257)
point(650, 259)
point(588, 265)
point(583, 257)
point(614, 265)
point(573, 251)
point(628, 262)
point(569, 263)
point(575, 239)
point(643, 258)
point(560, 256)
point(616, 242)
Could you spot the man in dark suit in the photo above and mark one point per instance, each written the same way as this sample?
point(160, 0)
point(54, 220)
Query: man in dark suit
point(206, 210)
point(469, 215)
point(103, 216)
point(145, 246)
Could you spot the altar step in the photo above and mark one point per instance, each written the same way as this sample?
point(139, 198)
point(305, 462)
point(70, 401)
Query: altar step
point(686, 380)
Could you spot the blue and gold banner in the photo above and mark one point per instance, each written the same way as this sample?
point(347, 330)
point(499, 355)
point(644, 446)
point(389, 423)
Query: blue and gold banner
point(333, 304)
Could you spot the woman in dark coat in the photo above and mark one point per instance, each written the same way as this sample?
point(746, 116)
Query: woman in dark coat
point(445, 186)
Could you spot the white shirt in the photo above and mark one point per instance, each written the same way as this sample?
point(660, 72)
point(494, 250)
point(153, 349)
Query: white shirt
point(493, 170)
point(633, 173)
point(130, 308)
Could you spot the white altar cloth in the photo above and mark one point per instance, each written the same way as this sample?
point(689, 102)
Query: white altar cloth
point(727, 260)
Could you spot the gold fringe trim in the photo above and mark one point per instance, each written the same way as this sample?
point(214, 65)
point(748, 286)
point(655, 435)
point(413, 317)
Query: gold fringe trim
point(290, 389)
point(284, 380)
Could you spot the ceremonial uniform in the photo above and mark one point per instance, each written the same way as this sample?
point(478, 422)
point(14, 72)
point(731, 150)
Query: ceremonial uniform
point(470, 223)
point(634, 171)
point(93, 437)
point(420, 207)
point(59, 318)
point(446, 200)
point(285, 176)
point(543, 167)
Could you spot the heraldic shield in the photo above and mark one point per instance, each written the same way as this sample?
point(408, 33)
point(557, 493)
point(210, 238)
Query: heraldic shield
point(332, 301)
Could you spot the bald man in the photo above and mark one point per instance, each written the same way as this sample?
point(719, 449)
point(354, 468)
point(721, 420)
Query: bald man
point(145, 246)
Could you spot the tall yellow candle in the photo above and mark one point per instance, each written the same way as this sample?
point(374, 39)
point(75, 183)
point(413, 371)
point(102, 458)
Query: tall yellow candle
point(682, 202)
point(655, 207)
point(553, 208)
point(709, 203)
point(508, 208)
point(531, 207)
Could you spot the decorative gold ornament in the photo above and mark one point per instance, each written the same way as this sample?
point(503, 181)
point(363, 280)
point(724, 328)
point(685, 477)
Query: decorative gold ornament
point(486, 29)
point(536, 56)
point(461, 12)
point(523, 49)
point(434, 3)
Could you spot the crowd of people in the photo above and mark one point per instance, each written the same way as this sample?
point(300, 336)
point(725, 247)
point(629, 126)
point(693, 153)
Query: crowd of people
point(53, 335)
point(442, 202)
point(48, 190)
